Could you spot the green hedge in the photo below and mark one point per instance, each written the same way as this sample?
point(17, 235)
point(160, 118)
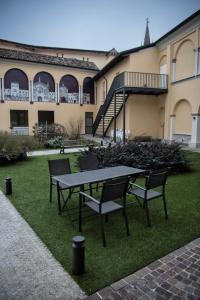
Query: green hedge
point(145, 155)
point(14, 148)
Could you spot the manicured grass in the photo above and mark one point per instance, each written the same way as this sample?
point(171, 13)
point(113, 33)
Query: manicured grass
point(123, 254)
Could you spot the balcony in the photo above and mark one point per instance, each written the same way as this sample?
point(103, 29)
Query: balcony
point(142, 83)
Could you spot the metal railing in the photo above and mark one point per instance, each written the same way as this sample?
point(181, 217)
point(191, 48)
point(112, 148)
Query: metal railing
point(132, 80)
point(145, 80)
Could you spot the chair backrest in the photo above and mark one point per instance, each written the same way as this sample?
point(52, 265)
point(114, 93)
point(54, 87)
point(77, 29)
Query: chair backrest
point(88, 162)
point(59, 166)
point(114, 189)
point(156, 179)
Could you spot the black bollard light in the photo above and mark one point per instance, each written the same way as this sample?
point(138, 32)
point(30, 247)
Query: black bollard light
point(8, 182)
point(78, 260)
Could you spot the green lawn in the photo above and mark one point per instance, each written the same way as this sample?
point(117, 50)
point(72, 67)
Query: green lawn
point(123, 254)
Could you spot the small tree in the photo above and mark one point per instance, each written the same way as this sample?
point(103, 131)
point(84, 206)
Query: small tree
point(74, 130)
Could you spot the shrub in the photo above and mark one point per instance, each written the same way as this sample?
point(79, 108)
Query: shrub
point(74, 129)
point(45, 132)
point(13, 148)
point(55, 142)
point(144, 155)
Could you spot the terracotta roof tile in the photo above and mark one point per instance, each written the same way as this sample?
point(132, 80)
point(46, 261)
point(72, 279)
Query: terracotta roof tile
point(47, 59)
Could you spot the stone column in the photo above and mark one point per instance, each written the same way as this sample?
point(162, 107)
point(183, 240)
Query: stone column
point(57, 94)
point(173, 70)
point(198, 61)
point(32, 96)
point(80, 95)
point(29, 90)
point(195, 138)
point(2, 89)
point(172, 126)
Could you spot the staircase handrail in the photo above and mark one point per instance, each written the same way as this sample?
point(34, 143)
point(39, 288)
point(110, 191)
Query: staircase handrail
point(117, 82)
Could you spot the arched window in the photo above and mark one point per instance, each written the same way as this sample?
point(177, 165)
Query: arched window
point(43, 87)
point(69, 89)
point(88, 91)
point(185, 60)
point(16, 85)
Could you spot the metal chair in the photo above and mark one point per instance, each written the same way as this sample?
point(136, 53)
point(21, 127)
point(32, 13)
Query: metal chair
point(112, 190)
point(58, 167)
point(153, 180)
point(88, 162)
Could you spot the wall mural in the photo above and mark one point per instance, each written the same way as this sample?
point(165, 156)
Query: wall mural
point(88, 91)
point(69, 90)
point(43, 88)
point(16, 85)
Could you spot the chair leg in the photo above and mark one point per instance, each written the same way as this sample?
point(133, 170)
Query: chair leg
point(147, 213)
point(50, 199)
point(165, 207)
point(90, 189)
point(106, 218)
point(126, 222)
point(102, 230)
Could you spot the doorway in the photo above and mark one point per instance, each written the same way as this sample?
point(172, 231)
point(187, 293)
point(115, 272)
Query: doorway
point(88, 122)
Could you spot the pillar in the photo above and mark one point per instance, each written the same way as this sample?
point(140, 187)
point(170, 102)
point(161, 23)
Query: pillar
point(29, 91)
point(57, 93)
point(80, 95)
point(173, 70)
point(2, 89)
point(172, 126)
point(198, 61)
point(124, 117)
point(195, 138)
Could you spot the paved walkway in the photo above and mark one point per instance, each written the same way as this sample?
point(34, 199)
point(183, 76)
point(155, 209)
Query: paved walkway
point(175, 276)
point(54, 151)
point(28, 271)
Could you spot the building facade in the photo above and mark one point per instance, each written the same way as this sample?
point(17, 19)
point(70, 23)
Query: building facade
point(152, 90)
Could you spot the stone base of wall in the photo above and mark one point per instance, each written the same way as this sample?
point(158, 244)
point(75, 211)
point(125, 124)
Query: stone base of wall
point(182, 138)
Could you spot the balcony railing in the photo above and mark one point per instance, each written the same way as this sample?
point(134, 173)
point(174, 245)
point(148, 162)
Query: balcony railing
point(144, 80)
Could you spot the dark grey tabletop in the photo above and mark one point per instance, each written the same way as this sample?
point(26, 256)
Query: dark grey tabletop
point(80, 178)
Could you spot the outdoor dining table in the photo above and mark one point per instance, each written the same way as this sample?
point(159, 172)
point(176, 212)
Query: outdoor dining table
point(79, 179)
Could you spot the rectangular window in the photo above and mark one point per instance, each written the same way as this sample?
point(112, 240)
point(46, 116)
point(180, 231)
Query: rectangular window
point(45, 117)
point(19, 118)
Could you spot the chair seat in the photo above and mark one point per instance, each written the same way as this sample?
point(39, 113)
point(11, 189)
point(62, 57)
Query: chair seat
point(107, 207)
point(141, 193)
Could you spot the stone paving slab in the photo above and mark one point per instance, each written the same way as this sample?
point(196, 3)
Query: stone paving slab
point(174, 276)
point(28, 271)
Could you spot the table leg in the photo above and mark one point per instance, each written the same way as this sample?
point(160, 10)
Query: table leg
point(58, 195)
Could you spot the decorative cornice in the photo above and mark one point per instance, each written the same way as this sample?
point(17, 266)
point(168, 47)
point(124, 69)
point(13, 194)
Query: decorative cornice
point(171, 116)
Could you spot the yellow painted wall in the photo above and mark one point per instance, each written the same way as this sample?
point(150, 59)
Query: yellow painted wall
point(63, 113)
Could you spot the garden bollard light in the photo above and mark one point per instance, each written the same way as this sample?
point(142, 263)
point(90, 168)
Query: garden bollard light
point(8, 186)
point(78, 262)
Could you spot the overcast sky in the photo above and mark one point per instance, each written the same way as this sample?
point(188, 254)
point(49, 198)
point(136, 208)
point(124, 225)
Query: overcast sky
point(90, 24)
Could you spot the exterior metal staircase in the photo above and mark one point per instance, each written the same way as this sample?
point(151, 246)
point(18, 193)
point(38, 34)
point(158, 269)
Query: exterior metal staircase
point(111, 107)
point(124, 84)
